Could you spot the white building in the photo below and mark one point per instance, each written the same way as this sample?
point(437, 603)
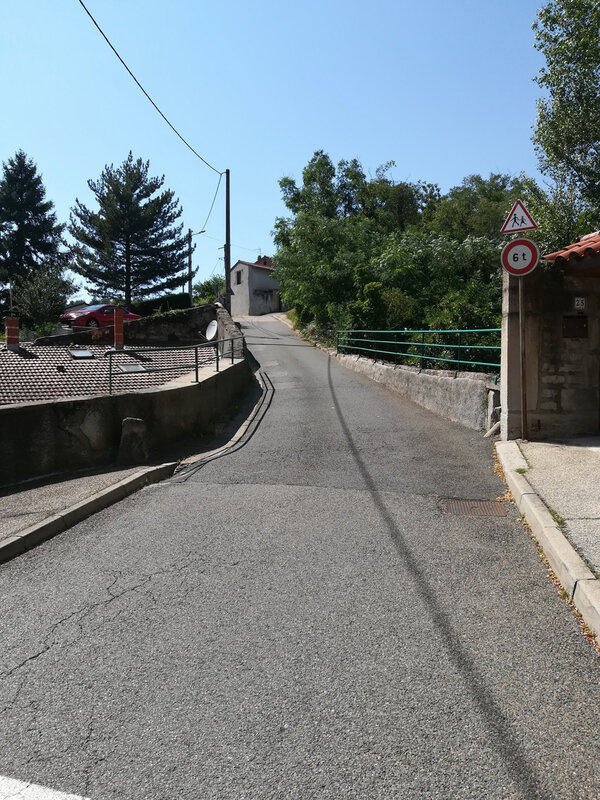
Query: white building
point(255, 289)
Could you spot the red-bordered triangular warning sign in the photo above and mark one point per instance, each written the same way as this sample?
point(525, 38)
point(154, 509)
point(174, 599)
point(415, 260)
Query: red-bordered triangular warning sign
point(519, 219)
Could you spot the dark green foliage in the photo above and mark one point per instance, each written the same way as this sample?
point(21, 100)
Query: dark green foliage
point(43, 297)
point(567, 133)
point(478, 207)
point(208, 291)
point(374, 254)
point(561, 214)
point(161, 304)
point(132, 245)
point(340, 221)
point(30, 238)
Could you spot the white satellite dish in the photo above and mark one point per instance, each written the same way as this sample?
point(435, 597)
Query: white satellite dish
point(211, 330)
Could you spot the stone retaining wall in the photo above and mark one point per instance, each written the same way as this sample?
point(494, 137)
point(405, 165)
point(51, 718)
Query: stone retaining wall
point(183, 326)
point(470, 398)
point(42, 438)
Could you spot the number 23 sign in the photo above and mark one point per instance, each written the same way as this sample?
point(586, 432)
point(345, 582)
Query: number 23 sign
point(520, 257)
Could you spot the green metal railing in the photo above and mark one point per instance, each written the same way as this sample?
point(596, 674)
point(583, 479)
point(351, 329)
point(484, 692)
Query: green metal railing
point(427, 349)
point(219, 350)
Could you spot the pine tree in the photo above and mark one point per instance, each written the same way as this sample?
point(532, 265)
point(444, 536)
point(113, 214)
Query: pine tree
point(132, 245)
point(30, 238)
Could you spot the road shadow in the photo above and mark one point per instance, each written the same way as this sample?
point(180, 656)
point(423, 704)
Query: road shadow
point(220, 433)
point(518, 767)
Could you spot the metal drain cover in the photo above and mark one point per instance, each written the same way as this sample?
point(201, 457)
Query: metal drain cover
point(474, 508)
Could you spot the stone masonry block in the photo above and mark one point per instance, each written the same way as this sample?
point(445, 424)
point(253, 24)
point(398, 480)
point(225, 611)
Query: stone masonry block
point(553, 379)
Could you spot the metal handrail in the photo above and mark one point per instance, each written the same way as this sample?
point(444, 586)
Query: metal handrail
point(178, 367)
point(349, 341)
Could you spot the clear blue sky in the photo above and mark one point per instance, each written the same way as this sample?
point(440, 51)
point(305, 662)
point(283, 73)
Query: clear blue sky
point(444, 89)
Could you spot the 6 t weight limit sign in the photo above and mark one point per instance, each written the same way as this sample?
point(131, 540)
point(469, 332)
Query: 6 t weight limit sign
point(520, 257)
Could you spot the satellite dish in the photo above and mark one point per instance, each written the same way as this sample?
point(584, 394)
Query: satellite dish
point(211, 330)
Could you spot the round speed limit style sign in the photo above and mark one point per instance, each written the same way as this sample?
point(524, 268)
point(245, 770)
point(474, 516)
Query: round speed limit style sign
point(520, 257)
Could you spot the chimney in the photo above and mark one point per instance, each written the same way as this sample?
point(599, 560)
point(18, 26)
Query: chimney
point(11, 328)
point(118, 328)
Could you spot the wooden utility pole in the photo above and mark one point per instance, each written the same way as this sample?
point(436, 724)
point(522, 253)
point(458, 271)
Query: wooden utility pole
point(227, 250)
point(190, 266)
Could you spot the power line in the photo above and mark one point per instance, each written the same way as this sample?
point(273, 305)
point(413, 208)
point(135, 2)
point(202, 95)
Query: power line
point(213, 202)
point(173, 128)
point(237, 246)
point(214, 269)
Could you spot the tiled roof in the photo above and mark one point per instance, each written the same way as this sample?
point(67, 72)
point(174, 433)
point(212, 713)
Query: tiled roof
point(268, 266)
point(587, 245)
point(36, 372)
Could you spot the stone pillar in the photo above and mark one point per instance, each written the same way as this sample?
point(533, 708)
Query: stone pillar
point(133, 447)
point(11, 328)
point(118, 328)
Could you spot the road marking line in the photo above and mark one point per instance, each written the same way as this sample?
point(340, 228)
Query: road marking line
point(11, 789)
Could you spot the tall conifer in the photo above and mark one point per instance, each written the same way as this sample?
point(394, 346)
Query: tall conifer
point(131, 245)
point(30, 237)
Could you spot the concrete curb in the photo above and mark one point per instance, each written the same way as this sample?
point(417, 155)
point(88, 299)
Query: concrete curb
point(280, 316)
point(58, 523)
point(569, 567)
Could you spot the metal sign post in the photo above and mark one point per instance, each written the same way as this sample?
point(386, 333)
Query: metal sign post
point(519, 258)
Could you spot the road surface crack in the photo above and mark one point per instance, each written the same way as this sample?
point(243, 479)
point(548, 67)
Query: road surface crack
point(52, 638)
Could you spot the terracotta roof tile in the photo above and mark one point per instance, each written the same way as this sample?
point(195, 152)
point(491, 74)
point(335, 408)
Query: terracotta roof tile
point(35, 373)
point(587, 245)
point(265, 264)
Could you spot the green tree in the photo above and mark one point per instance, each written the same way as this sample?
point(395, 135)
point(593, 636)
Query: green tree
point(339, 221)
point(443, 283)
point(43, 297)
point(561, 214)
point(376, 254)
point(208, 291)
point(567, 133)
point(478, 207)
point(132, 245)
point(30, 237)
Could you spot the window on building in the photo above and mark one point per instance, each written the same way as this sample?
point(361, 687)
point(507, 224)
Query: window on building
point(238, 276)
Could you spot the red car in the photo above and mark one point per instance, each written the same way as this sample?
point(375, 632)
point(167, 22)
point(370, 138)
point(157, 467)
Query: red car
point(94, 317)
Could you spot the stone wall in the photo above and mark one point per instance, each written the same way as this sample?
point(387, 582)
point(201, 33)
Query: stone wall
point(46, 437)
point(562, 351)
point(229, 330)
point(470, 398)
point(185, 326)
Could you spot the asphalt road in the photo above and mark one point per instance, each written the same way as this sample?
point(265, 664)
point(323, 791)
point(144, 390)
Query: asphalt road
point(301, 619)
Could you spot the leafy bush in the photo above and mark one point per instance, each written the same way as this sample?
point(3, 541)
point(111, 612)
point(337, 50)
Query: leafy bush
point(165, 302)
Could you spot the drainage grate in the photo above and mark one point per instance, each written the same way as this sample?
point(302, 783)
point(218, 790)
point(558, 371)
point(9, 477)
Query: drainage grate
point(474, 508)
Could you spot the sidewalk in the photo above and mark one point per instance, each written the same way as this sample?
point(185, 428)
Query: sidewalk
point(554, 485)
point(564, 475)
point(36, 510)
